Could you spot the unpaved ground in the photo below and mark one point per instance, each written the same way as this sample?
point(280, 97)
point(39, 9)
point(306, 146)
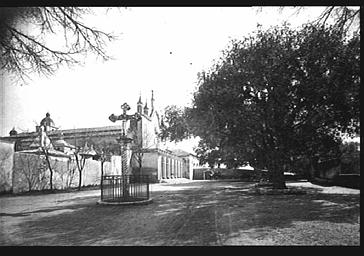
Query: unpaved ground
point(195, 213)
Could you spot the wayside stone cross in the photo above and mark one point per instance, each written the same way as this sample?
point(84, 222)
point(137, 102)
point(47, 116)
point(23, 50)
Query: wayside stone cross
point(124, 117)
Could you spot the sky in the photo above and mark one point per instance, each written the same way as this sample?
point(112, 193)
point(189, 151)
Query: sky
point(158, 48)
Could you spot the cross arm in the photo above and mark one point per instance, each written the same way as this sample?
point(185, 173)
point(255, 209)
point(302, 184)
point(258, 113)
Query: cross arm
point(124, 117)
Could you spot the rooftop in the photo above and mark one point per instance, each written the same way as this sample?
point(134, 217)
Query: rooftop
point(180, 152)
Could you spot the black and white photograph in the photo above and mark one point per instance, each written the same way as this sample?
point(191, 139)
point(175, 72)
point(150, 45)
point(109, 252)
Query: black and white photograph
point(180, 125)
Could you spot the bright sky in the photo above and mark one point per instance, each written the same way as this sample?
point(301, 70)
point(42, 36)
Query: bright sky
point(159, 48)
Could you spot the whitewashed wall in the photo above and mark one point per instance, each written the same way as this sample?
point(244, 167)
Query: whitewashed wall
point(6, 165)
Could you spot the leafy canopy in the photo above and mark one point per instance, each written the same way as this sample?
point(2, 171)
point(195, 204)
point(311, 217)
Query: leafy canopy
point(277, 96)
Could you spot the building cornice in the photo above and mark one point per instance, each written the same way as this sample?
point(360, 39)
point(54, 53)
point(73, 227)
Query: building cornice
point(107, 131)
point(164, 152)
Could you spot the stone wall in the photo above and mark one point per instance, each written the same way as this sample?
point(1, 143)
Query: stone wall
point(190, 164)
point(30, 172)
point(198, 173)
point(92, 173)
point(6, 166)
point(115, 165)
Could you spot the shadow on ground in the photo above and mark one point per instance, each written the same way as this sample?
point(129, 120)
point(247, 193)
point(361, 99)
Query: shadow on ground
point(212, 213)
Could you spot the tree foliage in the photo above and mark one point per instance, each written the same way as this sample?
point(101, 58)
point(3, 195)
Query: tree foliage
point(278, 96)
point(23, 39)
point(350, 158)
point(174, 125)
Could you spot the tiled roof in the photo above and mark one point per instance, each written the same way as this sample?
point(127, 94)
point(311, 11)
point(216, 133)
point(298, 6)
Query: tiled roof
point(89, 130)
point(39, 151)
point(62, 143)
point(180, 152)
point(112, 129)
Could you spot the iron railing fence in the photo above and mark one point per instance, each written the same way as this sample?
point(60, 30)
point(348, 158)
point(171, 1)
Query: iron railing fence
point(125, 188)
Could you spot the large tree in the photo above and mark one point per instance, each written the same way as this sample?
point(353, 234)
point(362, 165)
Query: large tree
point(25, 44)
point(174, 124)
point(278, 96)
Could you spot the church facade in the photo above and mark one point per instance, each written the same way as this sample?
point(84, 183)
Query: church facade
point(147, 154)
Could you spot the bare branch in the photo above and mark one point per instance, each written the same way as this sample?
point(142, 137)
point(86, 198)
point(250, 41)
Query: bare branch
point(22, 53)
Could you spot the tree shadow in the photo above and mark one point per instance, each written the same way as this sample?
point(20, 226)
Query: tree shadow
point(46, 210)
point(183, 217)
point(232, 211)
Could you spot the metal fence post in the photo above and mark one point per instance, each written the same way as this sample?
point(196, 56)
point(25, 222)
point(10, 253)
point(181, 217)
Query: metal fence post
point(113, 187)
point(102, 188)
point(147, 187)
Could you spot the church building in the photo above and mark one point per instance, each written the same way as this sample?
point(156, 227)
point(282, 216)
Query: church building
point(147, 154)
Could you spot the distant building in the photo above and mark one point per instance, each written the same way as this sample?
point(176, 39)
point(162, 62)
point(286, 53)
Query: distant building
point(47, 123)
point(147, 150)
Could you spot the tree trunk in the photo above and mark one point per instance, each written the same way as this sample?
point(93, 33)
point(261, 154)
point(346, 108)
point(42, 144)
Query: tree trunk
point(50, 168)
point(102, 177)
point(51, 179)
point(79, 179)
point(80, 166)
point(313, 167)
point(276, 175)
point(278, 179)
point(140, 168)
point(102, 169)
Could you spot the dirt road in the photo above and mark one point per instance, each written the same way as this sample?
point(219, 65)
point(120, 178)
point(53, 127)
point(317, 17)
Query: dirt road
point(196, 213)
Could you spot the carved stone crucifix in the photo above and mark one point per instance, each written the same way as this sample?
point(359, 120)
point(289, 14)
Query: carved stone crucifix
point(124, 117)
point(123, 140)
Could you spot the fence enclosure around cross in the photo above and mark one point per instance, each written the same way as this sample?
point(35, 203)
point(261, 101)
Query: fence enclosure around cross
point(125, 188)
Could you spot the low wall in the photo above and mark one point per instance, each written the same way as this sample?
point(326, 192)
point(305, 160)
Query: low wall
point(92, 173)
point(246, 175)
point(198, 174)
point(347, 180)
point(6, 166)
point(30, 172)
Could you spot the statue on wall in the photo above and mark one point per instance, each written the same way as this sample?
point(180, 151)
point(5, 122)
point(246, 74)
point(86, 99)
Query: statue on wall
point(48, 123)
point(45, 142)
